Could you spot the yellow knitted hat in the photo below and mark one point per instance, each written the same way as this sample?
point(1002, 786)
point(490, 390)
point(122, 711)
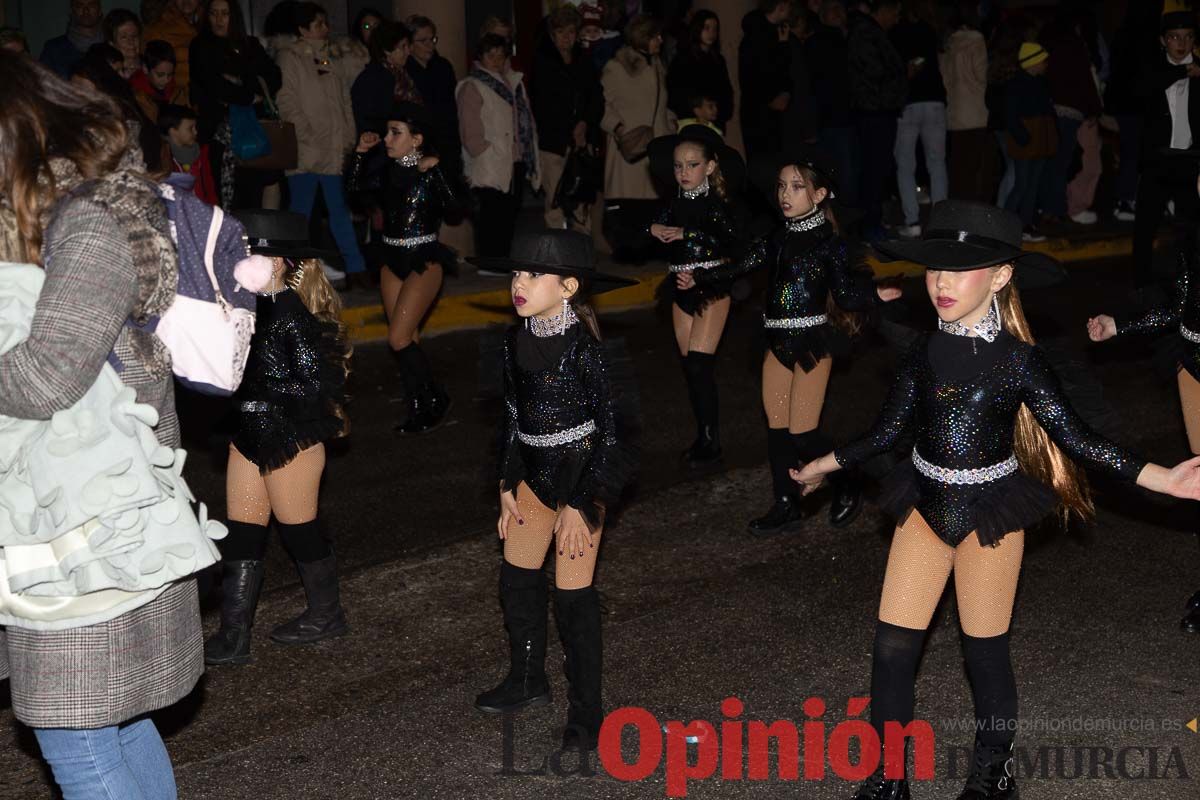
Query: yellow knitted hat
point(1031, 54)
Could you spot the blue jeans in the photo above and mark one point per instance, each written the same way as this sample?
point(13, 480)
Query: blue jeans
point(303, 189)
point(926, 122)
point(1023, 198)
point(1054, 179)
point(120, 762)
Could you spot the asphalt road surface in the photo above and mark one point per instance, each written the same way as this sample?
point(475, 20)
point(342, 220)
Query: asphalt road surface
point(697, 610)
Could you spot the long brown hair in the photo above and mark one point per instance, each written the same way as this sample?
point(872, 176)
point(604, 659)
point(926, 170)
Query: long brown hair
point(1039, 457)
point(324, 303)
point(581, 304)
point(43, 116)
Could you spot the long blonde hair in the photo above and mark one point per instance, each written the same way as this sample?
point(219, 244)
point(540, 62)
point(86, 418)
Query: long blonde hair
point(1040, 458)
point(324, 303)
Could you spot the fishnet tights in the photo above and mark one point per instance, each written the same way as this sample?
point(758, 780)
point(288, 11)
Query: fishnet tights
point(700, 332)
point(793, 399)
point(526, 544)
point(291, 491)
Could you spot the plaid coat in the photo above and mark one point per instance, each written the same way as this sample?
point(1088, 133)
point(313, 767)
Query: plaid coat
point(151, 657)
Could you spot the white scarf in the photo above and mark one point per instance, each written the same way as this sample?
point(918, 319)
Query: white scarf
point(1177, 102)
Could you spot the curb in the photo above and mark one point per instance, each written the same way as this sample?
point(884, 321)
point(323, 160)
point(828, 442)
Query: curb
point(479, 309)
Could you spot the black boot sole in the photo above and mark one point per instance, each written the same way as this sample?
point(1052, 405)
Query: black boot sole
point(853, 515)
point(319, 638)
point(791, 526)
point(227, 662)
point(532, 702)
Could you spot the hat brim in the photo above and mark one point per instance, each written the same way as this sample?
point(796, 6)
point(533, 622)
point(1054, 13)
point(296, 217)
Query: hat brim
point(600, 282)
point(1033, 270)
point(661, 153)
point(293, 252)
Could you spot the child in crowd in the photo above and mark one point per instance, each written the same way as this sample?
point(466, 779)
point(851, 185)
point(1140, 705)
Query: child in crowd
point(178, 125)
point(704, 112)
point(1031, 133)
point(154, 85)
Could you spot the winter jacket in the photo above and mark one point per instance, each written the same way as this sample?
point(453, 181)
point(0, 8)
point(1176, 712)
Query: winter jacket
point(635, 94)
point(1156, 133)
point(1072, 83)
point(964, 73)
point(488, 127)
point(692, 72)
point(827, 54)
point(173, 28)
point(563, 95)
point(916, 39)
point(315, 97)
point(878, 75)
point(1026, 97)
point(223, 76)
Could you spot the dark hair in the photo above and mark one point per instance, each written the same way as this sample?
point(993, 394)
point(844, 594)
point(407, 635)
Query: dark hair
point(416, 22)
point(14, 35)
point(489, 42)
point(45, 117)
point(356, 32)
point(157, 51)
point(305, 14)
point(281, 19)
point(581, 304)
point(696, 29)
point(962, 14)
point(387, 37)
point(115, 19)
point(237, 25)
point(640, 31)
point(171, 116)
point(96, 66)
point(565, 16)
point(697, 98)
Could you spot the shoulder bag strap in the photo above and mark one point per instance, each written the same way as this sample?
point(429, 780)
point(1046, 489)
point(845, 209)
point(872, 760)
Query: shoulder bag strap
point(214, 230)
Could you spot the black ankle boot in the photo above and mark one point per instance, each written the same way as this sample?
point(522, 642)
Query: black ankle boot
point(324, 618)
point(992, 774)
point(577, 613)
point(877, 788)
point(428, 409)
point(1191, 622)
point(240, 588)
point(524, 599)
point(706, 449)
point(846, 499)
point(784, 515)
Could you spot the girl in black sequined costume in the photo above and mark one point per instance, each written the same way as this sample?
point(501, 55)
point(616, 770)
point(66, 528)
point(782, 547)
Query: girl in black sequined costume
point(291, 400)
point(995, 441)
point(701, 232)
point(562, 465)
point(1181, 319)
point(415, 196)
point(813, 276)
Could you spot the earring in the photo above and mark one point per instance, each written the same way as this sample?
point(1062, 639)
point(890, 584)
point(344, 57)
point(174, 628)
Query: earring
point(996, 309)
point(566, 314)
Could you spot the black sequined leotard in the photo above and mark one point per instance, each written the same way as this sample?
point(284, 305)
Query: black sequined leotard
point(560, 432)
point(1181, 316)
point(959, 397)
point(807, 261)
point(711, 236)
point(293, 386)
point(414, 204)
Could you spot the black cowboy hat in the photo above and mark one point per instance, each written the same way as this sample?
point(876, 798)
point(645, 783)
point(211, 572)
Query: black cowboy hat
point(963, 236)
point(410, 113)
point(764, 172)
point(662, 156)
point(279, 233)
point(555, 252)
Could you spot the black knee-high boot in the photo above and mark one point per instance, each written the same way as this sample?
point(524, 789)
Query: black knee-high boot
point(243, 571)
point(524, 599)
point(324, 617)
point(577, 613)
point(994, 688)
point(785, 511)
point(700, 370)
point(895, 656)
point(846, 497)
point(428, 402)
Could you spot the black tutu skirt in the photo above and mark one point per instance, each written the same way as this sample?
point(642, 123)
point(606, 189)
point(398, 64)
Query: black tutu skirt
point(804, 347)
point(993, 510)
point(695, 300)
point(404, 261)
point(270, 439)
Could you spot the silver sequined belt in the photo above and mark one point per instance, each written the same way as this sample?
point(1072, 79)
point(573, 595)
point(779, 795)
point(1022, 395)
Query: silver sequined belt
point(960, 477)
point(412, 241)
point(257, 406)
point(1191, 336)
point(695, 265)
point(796, 322)
point(555, 439)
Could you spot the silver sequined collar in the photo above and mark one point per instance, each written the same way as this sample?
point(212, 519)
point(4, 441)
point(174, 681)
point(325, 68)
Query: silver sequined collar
point(410, 160)
point(553, 326)
point(815, 219)
point(987, 328)
point(699, 191)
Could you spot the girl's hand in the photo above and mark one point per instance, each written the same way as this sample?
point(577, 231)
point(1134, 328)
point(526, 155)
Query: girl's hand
point(572, 532)
point(508, 512)
point(366, 141)
point(1101, 327)
point(812, 475)
point(685, 279)
point(889, 293)
point(427, 163)
point(665, 233)
point(1182, 480)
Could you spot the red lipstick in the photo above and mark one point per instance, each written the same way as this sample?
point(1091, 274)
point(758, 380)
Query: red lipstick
point(945, 302)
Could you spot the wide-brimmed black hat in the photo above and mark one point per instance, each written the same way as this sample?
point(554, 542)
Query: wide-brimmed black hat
point(963, 236)
point(764, 172)
point(556, 252)
point(279, 233)
point(409, 113)
point(662, 156)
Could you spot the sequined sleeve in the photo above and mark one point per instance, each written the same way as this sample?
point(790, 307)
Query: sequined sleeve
point(895, 417)
point(662, 218)
point(1044, 396)
point(512, 470)
point(364, 171)
point(721, 225)
point(443, 193)
point(1165, 317)
point(852, 284)
point(602, 480)
point(756, 257)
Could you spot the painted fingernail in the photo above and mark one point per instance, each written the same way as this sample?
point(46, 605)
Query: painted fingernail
point(520, 522)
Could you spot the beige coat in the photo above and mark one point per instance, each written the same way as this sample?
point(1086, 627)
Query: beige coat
point(316, 99)
point(487, 123)
point(964, 72)
point(635, 94)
